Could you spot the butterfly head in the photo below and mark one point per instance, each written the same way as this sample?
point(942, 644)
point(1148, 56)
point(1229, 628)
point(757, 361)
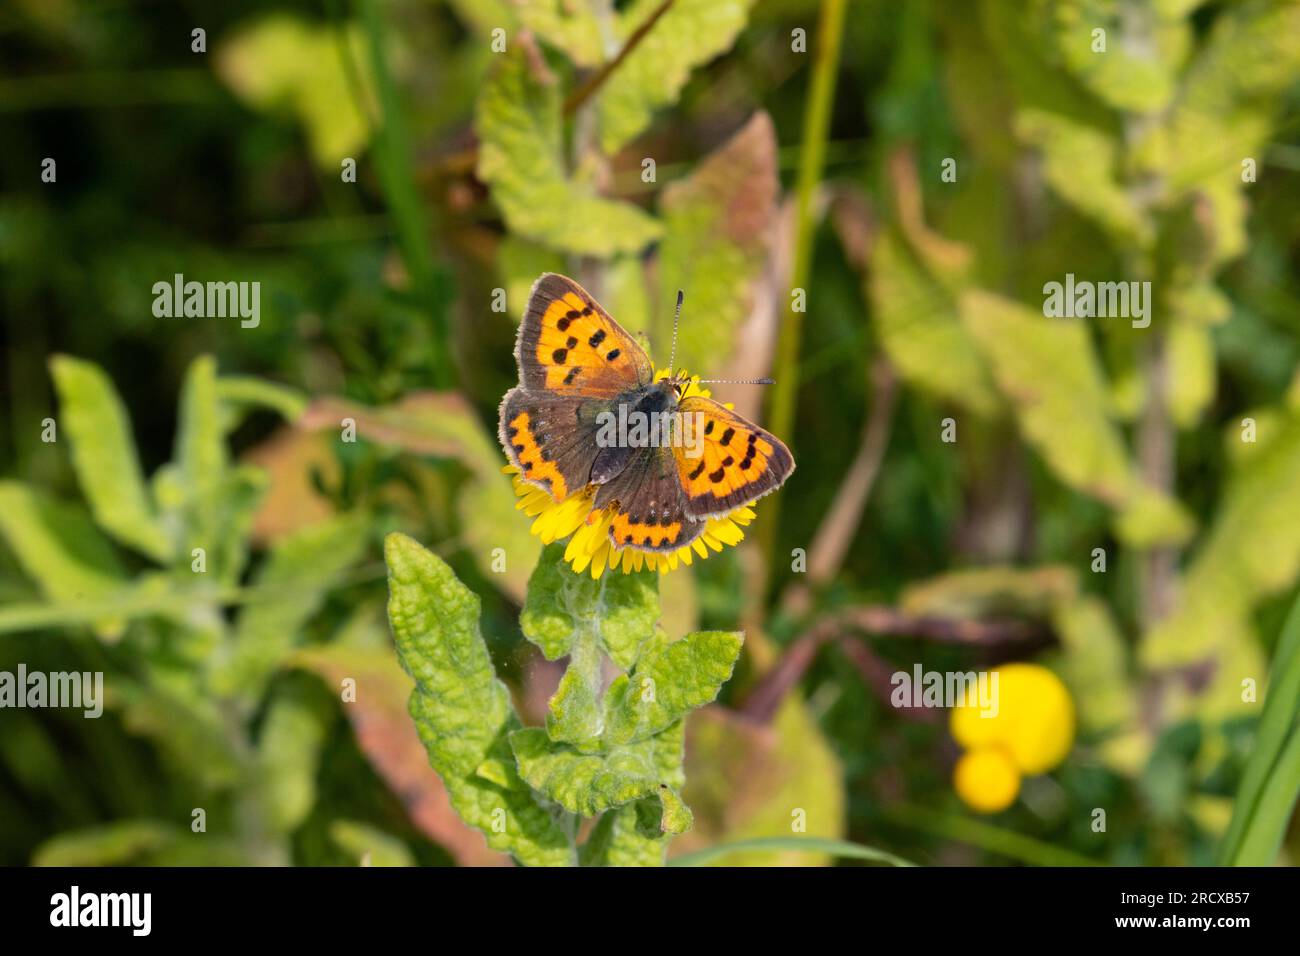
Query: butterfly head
point(677, 382)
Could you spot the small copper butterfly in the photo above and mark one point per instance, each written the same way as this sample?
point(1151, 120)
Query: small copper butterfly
point(577, 368)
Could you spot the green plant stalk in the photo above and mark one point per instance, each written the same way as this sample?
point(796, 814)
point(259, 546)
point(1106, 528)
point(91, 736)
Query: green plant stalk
point(1266, 768)
point(392, 148)
point(1014, 846)
point(256, 838)
point(816, 129)
point(840, 848)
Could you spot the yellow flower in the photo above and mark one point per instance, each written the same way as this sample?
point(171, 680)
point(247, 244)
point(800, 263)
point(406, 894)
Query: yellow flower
point(986, 780)
point(590, 548)
point(1030, 733)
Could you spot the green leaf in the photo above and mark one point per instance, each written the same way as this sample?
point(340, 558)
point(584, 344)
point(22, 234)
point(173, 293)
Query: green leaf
point(627, 611)
point(58, 545)
point(717, 224)
point(113, 844)
point(288, 754)
point(574, 614)
point(1024, 41)
point(370, 846)
point(1145, 49)
point(290, 588)
point(669, 682)
point(545, 618)
point(651, 77)
point(1251, 550)
point(573, 712)
point(188, 731)
point(1080, 164)
point(588, 784)
point(284, 64)
point(1150, 518)
point(916, 319)
point(1225, 111)
point(567, 26)
point(996, 591)
point(520, 158)
point(461, 709)
point(633, 834)
point(435, 622)
point(105, 458)
point(288, 402)
point(676, 817)
point(1191, 380)
point(201, 457)
point(1095, 666)
point(618, 840)
point(484, 16)
point(621, 609)
point(1049, 371)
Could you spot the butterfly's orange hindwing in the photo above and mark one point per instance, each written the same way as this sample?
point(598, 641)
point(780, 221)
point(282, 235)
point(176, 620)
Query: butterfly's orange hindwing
point(568, 344)
point(550, 438)
point(651, 513)
point(740, 462)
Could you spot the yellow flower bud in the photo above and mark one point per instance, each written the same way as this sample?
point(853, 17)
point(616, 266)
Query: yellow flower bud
point(986, 779)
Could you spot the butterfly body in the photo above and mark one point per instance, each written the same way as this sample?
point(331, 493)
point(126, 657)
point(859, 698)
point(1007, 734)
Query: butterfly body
point(581, 374)
point(655, 399)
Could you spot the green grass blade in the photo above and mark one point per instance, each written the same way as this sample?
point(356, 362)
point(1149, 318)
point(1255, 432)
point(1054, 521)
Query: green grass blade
point(1014, 846)
point(1280, 708)
point(839, 848)
point(1267, 826)
point(393, 156)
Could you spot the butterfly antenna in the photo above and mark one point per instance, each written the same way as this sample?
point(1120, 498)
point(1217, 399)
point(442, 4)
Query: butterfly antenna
point(672, 358)
point(736, 381)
